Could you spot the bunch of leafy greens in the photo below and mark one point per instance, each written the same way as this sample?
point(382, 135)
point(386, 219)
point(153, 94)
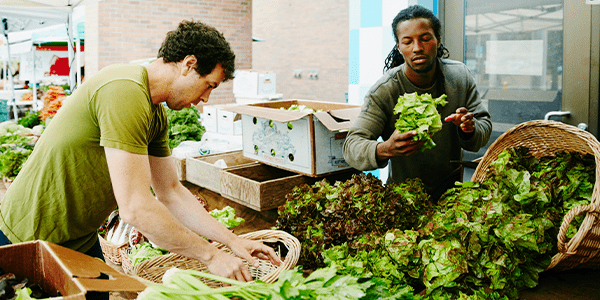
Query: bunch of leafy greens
point(184, 125)
point(144, 251)
point(324, 283)
point(12, 128)
point(485, 240)
point(226, 216)
point(419, 112)
point(325, 215)
point(14, 152)
point(31, 119)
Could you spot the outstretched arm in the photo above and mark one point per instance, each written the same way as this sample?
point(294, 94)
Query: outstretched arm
point(131, 179)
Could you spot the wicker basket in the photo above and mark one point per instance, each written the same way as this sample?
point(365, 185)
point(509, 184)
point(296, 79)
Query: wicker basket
point(125, 263)
point(111, 251)
point(545, 138)
point(153, 269)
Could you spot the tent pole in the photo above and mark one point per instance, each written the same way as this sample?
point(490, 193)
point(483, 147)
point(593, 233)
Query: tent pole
point(33, 79)
point(70, 33)
point(78, 55)
point(10, 75)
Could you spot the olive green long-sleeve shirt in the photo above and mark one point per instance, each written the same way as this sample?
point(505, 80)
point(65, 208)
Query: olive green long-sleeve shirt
point(433, 166)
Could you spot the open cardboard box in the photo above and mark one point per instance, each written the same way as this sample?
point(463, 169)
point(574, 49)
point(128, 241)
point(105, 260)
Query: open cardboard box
point(63, 272)
point(302, 142)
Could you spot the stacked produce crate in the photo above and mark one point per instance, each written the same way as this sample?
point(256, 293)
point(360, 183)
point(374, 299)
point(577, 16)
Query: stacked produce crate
point(249, 86)
point(285, 143)
point(253, 86)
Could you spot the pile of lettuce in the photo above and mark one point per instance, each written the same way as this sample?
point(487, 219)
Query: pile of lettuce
point(324, 215)
point(184, 125)
point(15, 148)
point(485, 240)
point(419, 112)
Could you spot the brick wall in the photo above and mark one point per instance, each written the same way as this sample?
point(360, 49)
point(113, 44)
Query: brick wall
point(118, 31)
point(307, 35)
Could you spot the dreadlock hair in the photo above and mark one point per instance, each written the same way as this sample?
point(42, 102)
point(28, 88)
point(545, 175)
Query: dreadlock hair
point(395, 59)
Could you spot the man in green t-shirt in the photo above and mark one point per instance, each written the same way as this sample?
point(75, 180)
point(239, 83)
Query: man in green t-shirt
point(108, 145)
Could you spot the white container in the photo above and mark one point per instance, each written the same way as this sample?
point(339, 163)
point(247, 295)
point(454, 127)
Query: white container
point(252, 83)
point(209, 118)
point(252, 99)
point(228, 122)
point(302, 142)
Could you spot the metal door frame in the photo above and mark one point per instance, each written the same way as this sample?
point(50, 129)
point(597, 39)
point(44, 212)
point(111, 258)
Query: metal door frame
point(581, 52)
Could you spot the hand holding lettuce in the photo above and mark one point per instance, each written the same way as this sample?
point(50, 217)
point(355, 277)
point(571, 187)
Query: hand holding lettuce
point(419, 113)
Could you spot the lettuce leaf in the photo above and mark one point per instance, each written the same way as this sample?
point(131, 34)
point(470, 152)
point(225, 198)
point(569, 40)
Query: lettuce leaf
point(419, 112)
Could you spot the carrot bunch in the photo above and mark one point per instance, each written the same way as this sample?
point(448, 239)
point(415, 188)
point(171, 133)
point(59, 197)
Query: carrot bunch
point(52, 101)
point(27, 97)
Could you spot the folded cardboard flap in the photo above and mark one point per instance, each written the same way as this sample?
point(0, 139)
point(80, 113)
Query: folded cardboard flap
point(34, 261)
point(87, 270)
point(336, 120)
point(62, 271)
point(272, 111)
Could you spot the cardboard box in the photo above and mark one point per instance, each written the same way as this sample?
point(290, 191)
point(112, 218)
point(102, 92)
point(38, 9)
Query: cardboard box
point(209, 118)
point(62, 271)
point(302, 142)
point(253, 82)
point(228, 122)
point(203, 172)
point(260, 187)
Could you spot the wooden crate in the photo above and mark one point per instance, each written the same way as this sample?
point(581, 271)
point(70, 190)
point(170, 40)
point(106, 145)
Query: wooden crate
point(202, 171)
point(260, 187)
point(180, 165)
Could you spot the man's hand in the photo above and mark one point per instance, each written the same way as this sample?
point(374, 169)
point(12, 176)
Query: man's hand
point(229, 266)
point(463, 119)
point(399, 144)
point(246, 249)
point(226, 265)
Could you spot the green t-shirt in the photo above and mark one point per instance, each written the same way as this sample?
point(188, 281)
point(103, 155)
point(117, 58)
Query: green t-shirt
point(63, 193)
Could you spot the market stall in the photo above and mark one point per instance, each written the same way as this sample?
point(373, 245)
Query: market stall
point(506, 235)
point(26, 26)
point(527, 219)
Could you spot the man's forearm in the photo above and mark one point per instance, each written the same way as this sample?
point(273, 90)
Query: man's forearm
point(155, 221)
point(187, 209)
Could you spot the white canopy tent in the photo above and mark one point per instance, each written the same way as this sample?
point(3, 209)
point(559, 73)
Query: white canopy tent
point(24, 21)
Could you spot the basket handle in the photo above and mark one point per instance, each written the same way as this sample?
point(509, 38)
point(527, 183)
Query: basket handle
point(562, 234)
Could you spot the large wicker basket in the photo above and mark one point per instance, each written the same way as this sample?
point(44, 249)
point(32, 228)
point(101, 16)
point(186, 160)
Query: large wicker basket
point(545, 138)
point(153, 269)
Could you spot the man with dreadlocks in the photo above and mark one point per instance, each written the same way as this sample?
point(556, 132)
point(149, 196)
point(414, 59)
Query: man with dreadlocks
point(418, 64)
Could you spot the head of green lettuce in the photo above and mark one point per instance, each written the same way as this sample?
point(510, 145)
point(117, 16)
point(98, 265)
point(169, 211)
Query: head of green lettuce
point(419, 113)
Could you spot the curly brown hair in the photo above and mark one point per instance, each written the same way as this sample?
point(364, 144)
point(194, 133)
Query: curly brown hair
point(203, 41)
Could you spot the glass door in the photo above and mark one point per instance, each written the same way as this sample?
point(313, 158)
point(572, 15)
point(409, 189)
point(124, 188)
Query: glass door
point(530, 59)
